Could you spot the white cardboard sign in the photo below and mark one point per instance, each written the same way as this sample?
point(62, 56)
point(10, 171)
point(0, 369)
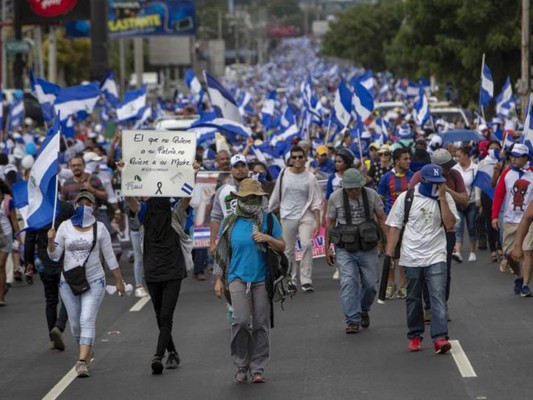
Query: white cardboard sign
point(158, 163)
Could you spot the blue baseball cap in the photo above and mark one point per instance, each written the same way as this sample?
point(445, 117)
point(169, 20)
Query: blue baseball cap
point(432, 173)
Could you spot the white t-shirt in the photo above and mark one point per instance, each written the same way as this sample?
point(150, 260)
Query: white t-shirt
point(5, 222)
point(294, 195)
point(76, 246)
point(424, 239)
point(468, 177)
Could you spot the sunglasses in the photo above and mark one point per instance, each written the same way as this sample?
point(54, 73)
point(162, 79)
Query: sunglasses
point(297, 157)
point(384, 154)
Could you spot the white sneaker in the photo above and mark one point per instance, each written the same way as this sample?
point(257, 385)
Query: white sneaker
point(472, 257)
point(141, 292)
point(336, 275)
point(457, 257)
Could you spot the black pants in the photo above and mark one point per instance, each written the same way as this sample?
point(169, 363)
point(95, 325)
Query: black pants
point(450, 244)
point(199, 257)
point(493, 235)
point(50, 279)
point(164, 297)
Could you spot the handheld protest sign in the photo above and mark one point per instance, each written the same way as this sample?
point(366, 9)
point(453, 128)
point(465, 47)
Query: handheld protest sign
point(158, 163)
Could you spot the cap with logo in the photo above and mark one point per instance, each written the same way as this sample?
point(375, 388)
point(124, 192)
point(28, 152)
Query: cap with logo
point(520, 150)
point(238, 158)
point(432, 173)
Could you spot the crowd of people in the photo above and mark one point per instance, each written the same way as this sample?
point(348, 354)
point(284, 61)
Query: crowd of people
point(403, 192)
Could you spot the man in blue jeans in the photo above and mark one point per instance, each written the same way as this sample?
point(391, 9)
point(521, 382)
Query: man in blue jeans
point(358, 266)
point(423, 253)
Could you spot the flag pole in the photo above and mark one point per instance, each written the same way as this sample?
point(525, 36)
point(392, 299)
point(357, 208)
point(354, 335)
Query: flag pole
point(55, 199)
point(327, 132)
point(482, 67)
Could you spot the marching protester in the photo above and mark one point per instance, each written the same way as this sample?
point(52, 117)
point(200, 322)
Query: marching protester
point(513, 194)
point(81, 180)
point(380, 168)
point(80, 241)
point(423, 252)
point(240, 267)
point(354, 207)
point(36, 243)
point(298, 198)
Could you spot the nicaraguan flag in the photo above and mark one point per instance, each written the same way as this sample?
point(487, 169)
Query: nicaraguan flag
point(287, 119)
point(46, 94)
point(245, 103)
point(67, 127)
point(362, 103)
point(367, 80)
point(110, 89)
point(221, 100)
point(145, 113)
point(267, 111)
point(133, 104)
point(231, 128)
point(342, 105)
point(78, 100)
point(527, 135)
point(206, 134)
point(504, 101)
point(16, 114)
point(287, 135)
point(421, 108)
point(35, 198)
point(192, 82)
point(482, 178)
point(486, 91)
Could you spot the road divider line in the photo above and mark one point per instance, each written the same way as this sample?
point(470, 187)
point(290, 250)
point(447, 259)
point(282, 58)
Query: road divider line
point(61, 385)
point(140, 304)
point(461, 360)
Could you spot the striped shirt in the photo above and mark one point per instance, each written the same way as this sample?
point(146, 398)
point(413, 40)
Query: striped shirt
point(392, 185)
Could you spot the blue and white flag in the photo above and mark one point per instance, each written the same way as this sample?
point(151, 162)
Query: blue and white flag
point(527, 135)
point(35, 198)
point(192, 82)
point(46, 94)
point(421, 108)
point(342, 105)
point(285, 136)
point(245, 103)
point(146, 114)
point(229, 127)
point(287, 118)
point(267, 111)
point(367, 80)
point(486, 90)
point(16, 114)
point(133, 105)
point(222, 101)
point(362, 103)
point(79, 100)
point(110, 89)
point(483, 177)
point(67, 127)
point(504, 101)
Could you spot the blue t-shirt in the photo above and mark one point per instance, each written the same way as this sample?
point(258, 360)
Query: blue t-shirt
point(247, 262)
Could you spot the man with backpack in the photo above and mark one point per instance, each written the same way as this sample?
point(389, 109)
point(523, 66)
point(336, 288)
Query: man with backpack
point(424, 213)
point(355, 234)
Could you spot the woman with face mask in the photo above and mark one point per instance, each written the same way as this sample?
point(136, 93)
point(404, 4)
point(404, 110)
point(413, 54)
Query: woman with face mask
point(240, 267)
point(81, 244)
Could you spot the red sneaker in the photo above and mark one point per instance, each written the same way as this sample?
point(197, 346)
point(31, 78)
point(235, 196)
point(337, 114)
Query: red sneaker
point(415, 344)
point(442, 346)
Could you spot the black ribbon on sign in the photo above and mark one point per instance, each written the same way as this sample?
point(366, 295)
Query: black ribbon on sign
point(159, 186)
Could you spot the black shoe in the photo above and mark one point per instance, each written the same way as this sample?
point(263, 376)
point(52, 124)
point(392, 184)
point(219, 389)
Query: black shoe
point(157, 366)
point(352, 327)
point(173, 360)
point(365, 320)
point(307, 287)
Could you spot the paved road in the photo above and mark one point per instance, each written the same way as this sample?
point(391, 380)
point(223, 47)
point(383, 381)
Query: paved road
point(311, 358)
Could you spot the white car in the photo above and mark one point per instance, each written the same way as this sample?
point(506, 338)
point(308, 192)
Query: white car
point(451, 115)
point(176, 123)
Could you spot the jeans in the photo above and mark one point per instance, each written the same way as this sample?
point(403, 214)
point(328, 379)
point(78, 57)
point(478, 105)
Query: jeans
point(467, 216)
point(450, 244)
point(434, 276)
point(358, 274)
point(250, 349)
point(50, 279)
point(164, 297)
point(83, 309)
point(292, 228)
point(137, 257)
point(200, 259)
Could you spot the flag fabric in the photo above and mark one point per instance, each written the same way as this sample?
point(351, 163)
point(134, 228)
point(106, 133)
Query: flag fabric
point(486, 91)
point(504, 101)
point(192, 82)
point(342, 105)
point(245, 103)
point(267, 111)
point(229, 127)
point(16, 114)
point(362, 103)
point(79, 100)
point(367, 80)
point(285, 136)
point(527, 135)
point(222, 101)
point(35, 198)
point(46, 94)
point(67, 127)
point(133, 105)
point(146, 113)
point(110, 90)
point(421, 108)
point(287, 118)
point(483, 177)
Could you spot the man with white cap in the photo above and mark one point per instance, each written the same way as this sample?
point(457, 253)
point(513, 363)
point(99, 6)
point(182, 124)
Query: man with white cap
point(514, 192)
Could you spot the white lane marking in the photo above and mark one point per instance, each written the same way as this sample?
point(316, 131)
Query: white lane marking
point(140, 304)
point(460, 358)
point(61, 385)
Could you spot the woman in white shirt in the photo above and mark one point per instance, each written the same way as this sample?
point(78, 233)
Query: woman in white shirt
point(74, 239)
point(468, 215)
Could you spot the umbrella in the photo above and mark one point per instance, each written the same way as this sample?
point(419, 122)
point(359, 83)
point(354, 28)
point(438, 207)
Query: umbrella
point(461, 135)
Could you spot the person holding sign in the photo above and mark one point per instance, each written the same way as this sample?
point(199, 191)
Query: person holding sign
point(162, 236)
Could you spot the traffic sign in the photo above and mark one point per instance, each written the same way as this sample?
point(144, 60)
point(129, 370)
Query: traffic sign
point(14, 46)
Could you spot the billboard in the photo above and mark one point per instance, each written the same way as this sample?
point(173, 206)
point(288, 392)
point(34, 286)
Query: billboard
point(42, 12)
point(150, 18)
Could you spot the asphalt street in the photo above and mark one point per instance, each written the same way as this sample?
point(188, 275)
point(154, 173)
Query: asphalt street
point(311, 356)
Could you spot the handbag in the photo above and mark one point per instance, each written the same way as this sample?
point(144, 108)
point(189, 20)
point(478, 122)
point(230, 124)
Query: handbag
point(75, 277)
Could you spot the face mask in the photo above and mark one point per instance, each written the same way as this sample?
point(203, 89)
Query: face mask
point(495, 153)
point(429, 189)
point(260, 177)
point(83, 217)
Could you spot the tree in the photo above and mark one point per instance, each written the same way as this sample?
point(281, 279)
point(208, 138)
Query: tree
point(361, 33)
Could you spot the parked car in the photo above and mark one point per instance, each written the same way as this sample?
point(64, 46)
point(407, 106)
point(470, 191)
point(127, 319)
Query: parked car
point(176, 123)
point(452, 115)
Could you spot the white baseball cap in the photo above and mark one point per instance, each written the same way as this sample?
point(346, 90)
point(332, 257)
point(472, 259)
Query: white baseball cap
point(237, 158)
point(91, 156)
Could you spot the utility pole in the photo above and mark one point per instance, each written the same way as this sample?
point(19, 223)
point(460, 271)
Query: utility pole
point(525, 56)
point(138, 61)
point(18, 66)
point(52, 54)
point(3, 54)
point(99, 39)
